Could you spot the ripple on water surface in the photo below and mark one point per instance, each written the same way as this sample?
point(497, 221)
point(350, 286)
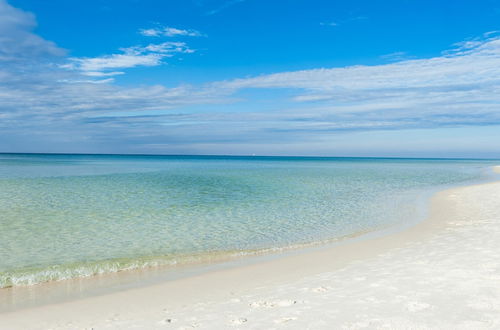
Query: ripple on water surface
point(78, 216)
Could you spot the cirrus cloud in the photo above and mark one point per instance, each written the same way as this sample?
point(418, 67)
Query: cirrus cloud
point(169, 32)
point(150, 55)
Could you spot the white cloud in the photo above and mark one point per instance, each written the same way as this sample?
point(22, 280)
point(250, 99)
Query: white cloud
point(150, 55)
point(102, 74)
point(460, 88)
point(150, 32)
point(341, 22)
point(169, 32)
point(396, 56)
point(115, 61)
point(101, 81)
point(164, 48)
point(328, 24)
point(474, 68)
point(172, 32)
point(17, 41)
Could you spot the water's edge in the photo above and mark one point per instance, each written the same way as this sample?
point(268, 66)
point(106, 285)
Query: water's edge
point(167, 269)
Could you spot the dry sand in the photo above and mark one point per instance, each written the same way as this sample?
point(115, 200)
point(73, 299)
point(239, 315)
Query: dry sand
point(444, 273)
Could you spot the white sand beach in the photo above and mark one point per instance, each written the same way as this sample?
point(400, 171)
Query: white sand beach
point(444, 273)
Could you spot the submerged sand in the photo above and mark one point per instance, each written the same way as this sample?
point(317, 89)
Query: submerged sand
point(443, 273)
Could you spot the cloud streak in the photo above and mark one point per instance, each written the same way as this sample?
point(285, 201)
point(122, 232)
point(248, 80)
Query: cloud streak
point(169, 32)
point(338, 23)
point(226, 5)
point(465, 77)
point(150, 55)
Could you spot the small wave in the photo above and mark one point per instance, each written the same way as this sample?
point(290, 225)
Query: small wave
point(33, 276)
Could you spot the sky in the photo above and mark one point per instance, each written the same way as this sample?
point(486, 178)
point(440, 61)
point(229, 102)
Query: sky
point(251, 77)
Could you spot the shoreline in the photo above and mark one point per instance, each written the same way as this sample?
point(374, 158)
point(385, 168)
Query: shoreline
point(225, 285)
point(18, 298)
point(355, 208)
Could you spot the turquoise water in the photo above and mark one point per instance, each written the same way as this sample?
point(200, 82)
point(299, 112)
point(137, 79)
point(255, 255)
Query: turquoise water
point(64, 216)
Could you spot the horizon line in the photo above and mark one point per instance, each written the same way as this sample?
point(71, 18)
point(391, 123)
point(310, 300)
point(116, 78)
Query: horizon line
point(236, 156)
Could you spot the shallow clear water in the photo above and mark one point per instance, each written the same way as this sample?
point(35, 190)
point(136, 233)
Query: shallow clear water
point(64, 216)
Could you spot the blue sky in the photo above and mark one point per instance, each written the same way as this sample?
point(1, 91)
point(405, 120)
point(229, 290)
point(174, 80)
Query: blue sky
point(334, 78)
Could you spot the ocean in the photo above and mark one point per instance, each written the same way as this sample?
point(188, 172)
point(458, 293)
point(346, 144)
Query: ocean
point(66, 216)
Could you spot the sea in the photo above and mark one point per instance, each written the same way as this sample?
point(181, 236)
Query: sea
point(65, 216)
